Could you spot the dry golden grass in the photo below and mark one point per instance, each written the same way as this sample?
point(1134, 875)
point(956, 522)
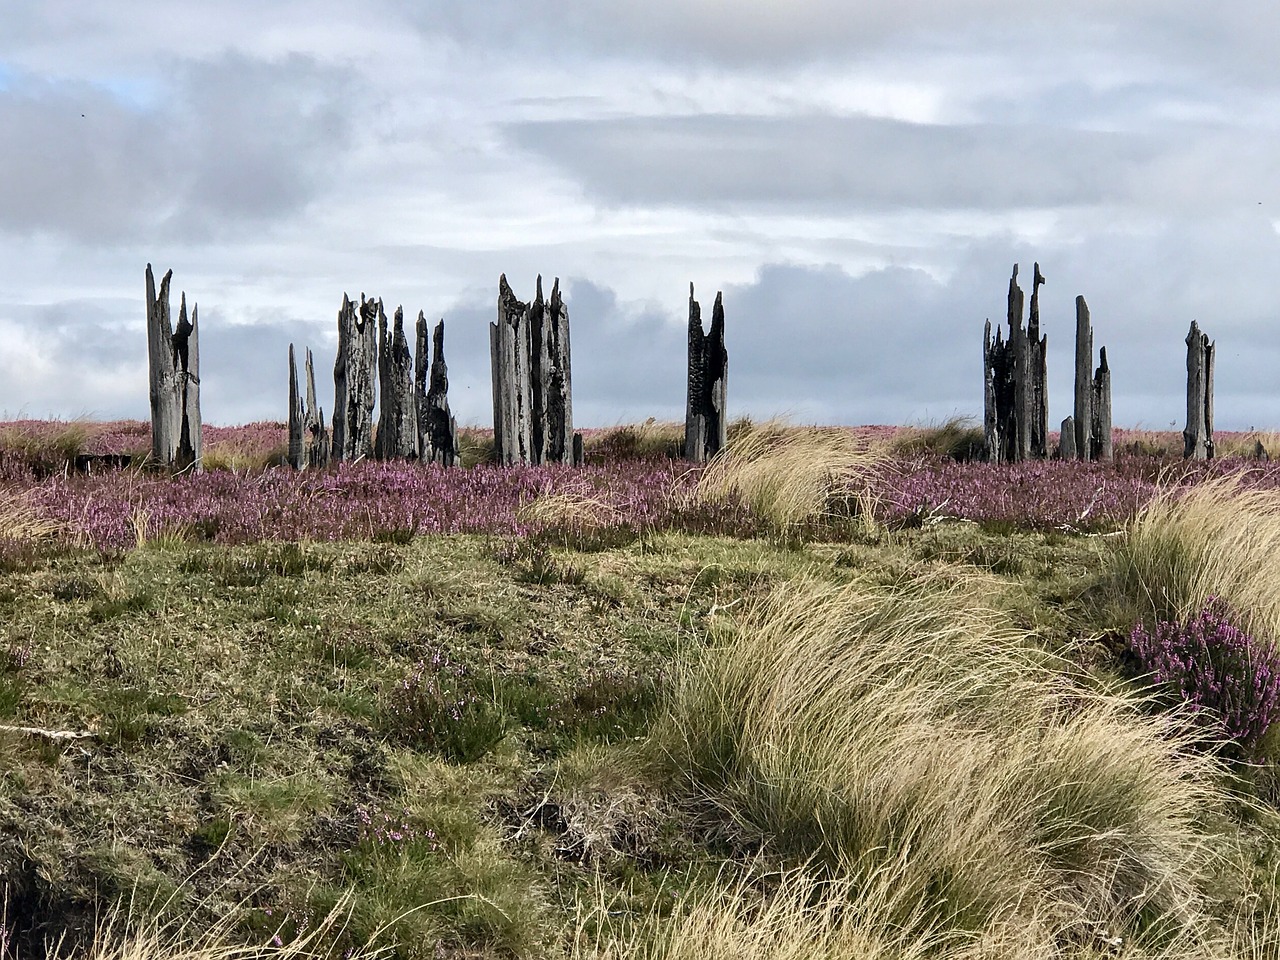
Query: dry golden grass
point(910, 728)
point(1216, 539)
point(568, 510)
point(20, 521)
point(794, 476)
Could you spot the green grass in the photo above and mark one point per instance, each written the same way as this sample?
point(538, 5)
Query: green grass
point(679, 746)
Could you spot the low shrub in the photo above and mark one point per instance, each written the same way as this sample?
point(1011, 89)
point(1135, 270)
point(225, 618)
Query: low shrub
point(1228, 677)
point(442, 706)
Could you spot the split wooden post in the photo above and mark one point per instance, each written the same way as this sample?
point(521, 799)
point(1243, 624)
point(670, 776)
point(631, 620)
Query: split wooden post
point(509, 349)
point(397, 437)
point(1038, 346)
point(551, 379)
point(437, 429)
point(1022, 390)
point(705, 424)
point(353, 379)
point(1100, 410)
point(308, 438)
point(174, 366)
point(1198, 435)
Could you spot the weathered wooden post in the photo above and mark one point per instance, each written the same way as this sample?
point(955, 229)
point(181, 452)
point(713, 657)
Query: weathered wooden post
point(397, 437)
point(510, 344)
point(1084, 382)
point(704, 421)
point(353, 379)
point(1023, 392)
point(991, 376)
point(437, 429)
point(551, 378)
point(174, 366)
point(1100, 410)
point(1039, 346)
point(1198, 436)
point(297, 448)
point(308, 438)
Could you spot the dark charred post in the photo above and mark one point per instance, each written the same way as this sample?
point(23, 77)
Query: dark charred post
point(705, 422)
point(353, 379)
point(174, 367)
point(579, 454)
point(1084, 383)
point(440, 429)
point(1023, 394)
point(1038, 347)
point(1067, 439)
point(421, 375)
point(990, 420)
point(315, 436)
point(695, 433)
point(297, 445)
point(555, 380)
point(999, 375)
point(1260, 452)
point(538, 362)
point(1101, 412)
point(510, 345)
point(397, 437)
point(1198, 435)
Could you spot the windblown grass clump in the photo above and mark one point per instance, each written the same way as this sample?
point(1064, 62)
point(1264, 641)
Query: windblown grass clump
point(794, 477)
point(869, 726)
point(1218, 539)
point(958, 438)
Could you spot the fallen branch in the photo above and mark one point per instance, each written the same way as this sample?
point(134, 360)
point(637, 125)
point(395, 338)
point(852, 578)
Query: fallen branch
point(48, 734)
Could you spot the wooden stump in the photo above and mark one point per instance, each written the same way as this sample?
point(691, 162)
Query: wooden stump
point(397, 437)
point(437, 428)
point(1100, 410)
point(353, 379)
point(297, 455)
point(1067, 439)
point(705, 424)
point(174, 372)
point(1198, 435)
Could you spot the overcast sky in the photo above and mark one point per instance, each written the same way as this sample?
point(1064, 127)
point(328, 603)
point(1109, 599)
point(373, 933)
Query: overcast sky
point(857, 176)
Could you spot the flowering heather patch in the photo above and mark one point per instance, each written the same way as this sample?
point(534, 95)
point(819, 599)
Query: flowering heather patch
point(368, 500)
point(1217, 668)
point(1044, 494)
point(377, 827)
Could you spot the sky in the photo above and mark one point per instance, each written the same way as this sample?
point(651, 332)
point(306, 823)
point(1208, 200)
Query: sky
point(857, 176)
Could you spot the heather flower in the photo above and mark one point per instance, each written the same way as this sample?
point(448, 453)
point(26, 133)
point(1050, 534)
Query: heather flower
point(1225, 675)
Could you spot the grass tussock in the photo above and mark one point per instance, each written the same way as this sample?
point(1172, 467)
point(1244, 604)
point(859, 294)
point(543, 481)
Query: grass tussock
point(958, 438)
point(20, 522)
point(793, 477)
point(46, 447)
point(1215, 539)
point(652, 439)
point(908, 727)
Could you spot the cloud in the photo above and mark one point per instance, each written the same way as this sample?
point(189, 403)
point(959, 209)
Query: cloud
point(236, 143)
point(823, 164)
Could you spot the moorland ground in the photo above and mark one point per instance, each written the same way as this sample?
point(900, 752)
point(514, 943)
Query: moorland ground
point(838, 695)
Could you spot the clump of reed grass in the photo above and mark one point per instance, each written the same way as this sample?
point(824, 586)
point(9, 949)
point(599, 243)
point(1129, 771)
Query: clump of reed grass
point(45, 446)
point(867, 727)
point(793, 477)
point(652, 439)
point(1217, 539)
point(957, 438)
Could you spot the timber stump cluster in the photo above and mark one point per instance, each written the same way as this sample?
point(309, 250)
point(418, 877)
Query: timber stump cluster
point(705, 424)
point(173, 363)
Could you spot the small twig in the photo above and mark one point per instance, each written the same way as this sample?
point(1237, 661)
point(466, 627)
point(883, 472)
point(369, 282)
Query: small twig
point(49, 734)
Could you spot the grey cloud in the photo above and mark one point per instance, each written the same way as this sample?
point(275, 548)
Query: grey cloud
point(240, 143)
point(824, 163)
